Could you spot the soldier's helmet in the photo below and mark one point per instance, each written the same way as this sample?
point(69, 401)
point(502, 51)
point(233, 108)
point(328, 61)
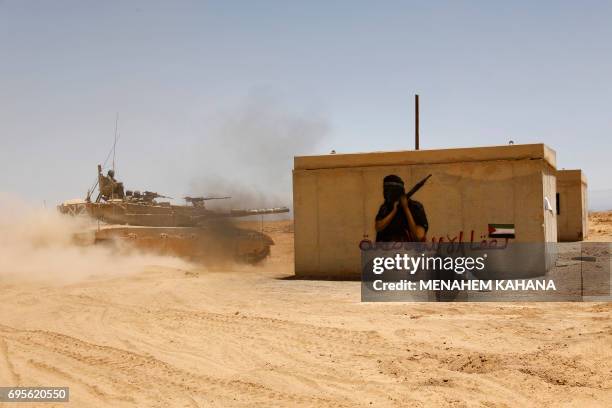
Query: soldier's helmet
point(111, 174)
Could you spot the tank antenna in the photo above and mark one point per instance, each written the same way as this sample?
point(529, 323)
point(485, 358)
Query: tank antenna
point(115, 142)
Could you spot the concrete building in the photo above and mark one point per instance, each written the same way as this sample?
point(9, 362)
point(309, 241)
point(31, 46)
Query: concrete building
point(572, 209)
point(336, 199)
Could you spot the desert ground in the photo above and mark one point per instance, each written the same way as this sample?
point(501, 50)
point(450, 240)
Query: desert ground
point(187, 336)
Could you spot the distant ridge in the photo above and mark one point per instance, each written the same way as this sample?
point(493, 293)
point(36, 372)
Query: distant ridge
point(600, 200)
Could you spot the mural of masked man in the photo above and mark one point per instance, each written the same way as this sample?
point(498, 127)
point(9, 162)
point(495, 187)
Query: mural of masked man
point(399, 218)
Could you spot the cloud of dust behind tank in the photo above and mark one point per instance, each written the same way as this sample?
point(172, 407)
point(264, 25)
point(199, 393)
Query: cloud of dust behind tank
point(248, 153)
point(38, 244)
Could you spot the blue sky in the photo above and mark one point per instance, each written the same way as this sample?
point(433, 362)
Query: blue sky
point(180, 72)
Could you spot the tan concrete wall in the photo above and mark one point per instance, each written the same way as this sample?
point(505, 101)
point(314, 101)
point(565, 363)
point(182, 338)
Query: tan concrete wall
point(459, 155)
point(572, 220)
point(550, 191)
point(336, 198)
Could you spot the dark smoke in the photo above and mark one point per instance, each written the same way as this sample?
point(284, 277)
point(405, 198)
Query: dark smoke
point(248, 153)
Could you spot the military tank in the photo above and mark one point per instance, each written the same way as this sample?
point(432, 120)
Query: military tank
point(143, 220)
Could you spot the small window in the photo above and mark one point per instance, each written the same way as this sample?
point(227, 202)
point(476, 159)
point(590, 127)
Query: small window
point(558, 205)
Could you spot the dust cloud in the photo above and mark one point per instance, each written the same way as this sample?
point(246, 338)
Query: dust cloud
point(248, 153)
point(38, 244)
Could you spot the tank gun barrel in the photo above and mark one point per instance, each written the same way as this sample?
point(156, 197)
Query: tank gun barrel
point(258, 211)
point(200, 199)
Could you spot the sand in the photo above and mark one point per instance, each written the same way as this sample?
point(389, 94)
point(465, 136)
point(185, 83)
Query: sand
point(248, 336)
point(600, 226)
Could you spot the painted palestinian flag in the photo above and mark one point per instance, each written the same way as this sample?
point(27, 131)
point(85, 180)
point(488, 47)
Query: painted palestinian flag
point(501, 230)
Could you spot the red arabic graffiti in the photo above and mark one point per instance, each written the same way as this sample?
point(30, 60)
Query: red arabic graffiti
point(482, 244)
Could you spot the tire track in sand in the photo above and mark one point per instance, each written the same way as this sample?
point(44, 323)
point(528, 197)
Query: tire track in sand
point(15, 378)
point(118, 374)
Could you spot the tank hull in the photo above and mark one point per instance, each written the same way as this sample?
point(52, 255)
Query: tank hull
point(205, 245)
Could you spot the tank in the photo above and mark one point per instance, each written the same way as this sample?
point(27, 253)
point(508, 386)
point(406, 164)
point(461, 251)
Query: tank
point(143, 220)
